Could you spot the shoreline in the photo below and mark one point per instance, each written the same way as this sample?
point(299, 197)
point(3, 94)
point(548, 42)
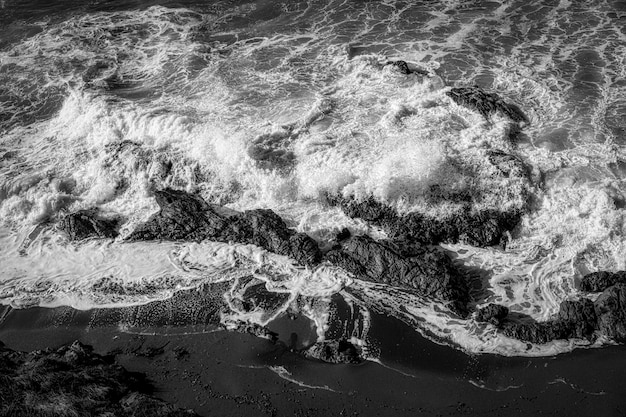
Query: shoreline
point(194, 365)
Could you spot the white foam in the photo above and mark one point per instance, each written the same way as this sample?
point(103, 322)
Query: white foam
point(275, 121)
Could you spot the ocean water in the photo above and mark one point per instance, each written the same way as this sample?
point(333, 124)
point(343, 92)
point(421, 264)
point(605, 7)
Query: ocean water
point(262, 104)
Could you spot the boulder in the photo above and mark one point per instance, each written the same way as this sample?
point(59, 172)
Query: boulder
point(600, 281)
point(492, 313)
point(610, 308)
point(534, 332)
point(410, 266)
point(335, 351)
point(481, 228)
point(579, 317)
point(183, 216)
point(404, 68)
point(485, 103)
point(85, 224)
point(74, 381)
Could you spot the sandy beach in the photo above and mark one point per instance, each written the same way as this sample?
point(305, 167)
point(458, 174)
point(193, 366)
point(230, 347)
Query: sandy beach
point(198, 366)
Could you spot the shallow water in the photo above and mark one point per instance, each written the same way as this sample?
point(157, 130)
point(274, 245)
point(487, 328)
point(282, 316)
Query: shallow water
point(265, 104)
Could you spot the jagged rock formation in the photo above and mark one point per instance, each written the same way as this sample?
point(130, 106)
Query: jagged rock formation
point(492, 313)
point(483, 228)
point(610, 308)
point(187, 217)
point(600, 281)
point(74, 381)
point(485, 103)
point(335, 351)
point(582, 319)
point(404, 68)
point(413, 267)
point(84, 224)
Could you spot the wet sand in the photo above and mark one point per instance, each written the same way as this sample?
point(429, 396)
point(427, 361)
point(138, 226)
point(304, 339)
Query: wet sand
point(216, 372)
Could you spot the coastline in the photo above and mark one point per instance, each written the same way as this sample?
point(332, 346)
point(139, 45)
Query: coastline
point(194, 365)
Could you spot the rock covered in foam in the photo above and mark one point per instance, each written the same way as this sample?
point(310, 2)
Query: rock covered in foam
point(335, 351)
point(600, 281)
point(482, 228)
point(403, 68)
point(485, 103)
point(74, 381)
point(183, 216)
point(410, 266)
point(84, 224)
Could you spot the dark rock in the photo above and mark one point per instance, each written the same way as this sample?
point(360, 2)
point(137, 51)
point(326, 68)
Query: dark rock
point(74, 381)
point(84, 224)
point(482, 228)
point(576, 319)
point(430, 273)
point(335, 351)
point(183, 216)
point(486, 103)
point(255, 330)
point(536, 332)
point(492, 313)
point(600, 281)
point(404, 68)
point(580, 318)
point(610, 308)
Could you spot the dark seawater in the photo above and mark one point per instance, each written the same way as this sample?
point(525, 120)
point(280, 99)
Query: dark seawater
point(268, 104)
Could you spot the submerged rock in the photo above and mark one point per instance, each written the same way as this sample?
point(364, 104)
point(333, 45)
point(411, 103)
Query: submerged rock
point(84, 224)
point(482, 228)
point(485, 103)
point(600, 281)
point(492, 313)
point(430, 273)
point(183, 216)
point(335, 351)
point(74, 381)
point(404, 68)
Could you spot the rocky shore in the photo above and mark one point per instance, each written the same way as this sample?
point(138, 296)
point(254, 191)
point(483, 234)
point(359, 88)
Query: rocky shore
point(405, 262)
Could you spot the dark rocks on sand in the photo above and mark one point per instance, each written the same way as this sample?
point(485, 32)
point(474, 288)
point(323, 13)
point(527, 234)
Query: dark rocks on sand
point(429, 272)
point(492, 313)
point(184, 216)
point(485, 103)
point(482, 228)
point(74, 381)
point(335, 351)
point(84, 224)
point(600, 281)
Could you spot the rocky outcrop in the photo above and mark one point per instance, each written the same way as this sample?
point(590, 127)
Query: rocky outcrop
point(183, 216)
point(581, 319)
point(85, 224)
point(610, 308)
point(485, 103)
point(600, 281)
point(482, 228)
point(74, 381)
point(335, 351)
point(404, 68)
point(492, 313)
point(411, 266)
